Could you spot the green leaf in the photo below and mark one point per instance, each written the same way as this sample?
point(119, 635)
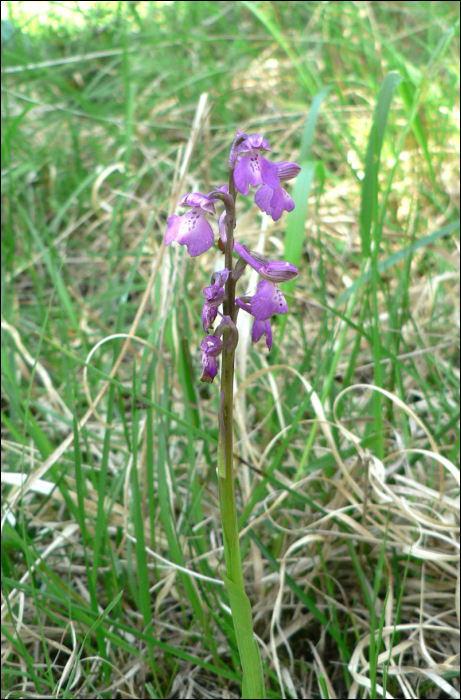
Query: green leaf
point(369, 200)
point(309, 129)
point(294, 234)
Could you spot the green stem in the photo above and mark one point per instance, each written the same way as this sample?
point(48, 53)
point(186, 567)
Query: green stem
point(226, 483)
point(253, 679)
point(225, 437)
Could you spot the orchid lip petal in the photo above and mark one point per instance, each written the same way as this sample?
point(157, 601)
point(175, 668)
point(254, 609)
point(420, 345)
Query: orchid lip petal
point(267, 301)
point(174, 222)
point(274, 201)
point(263, 197)
point(259, 329)
point(195, 232)
point(277, 204)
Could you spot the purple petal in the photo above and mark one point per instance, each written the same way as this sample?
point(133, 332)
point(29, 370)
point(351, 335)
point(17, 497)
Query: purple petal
point(278, 271)
point(195, 232)
point(253, 169)
point(267, 301)
point(174, 222)
point(268, 172)
point(289, 204)
point(209, 314)
point(259, 329)
point(268, 335)
point(280, 202)
point(210, 368)
point(242, 174)
point(277, 204)
point(263, 197)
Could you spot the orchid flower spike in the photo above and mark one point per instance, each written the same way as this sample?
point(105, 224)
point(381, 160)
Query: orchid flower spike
point(274, 201)
point(192, 229)
point(267, 301)
point(247, 166)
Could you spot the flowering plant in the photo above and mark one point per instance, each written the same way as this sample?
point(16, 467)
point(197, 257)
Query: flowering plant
point(247, 166)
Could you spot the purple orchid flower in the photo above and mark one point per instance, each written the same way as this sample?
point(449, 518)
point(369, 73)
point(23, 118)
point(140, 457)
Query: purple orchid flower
point(267, 301)
point(274, 201)
point(211, 347)
point(252, 168)
point(214, 296)
point(276, 271)
point(192, 229)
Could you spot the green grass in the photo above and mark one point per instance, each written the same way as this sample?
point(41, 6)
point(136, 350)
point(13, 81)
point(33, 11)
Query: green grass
point(347, 497)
